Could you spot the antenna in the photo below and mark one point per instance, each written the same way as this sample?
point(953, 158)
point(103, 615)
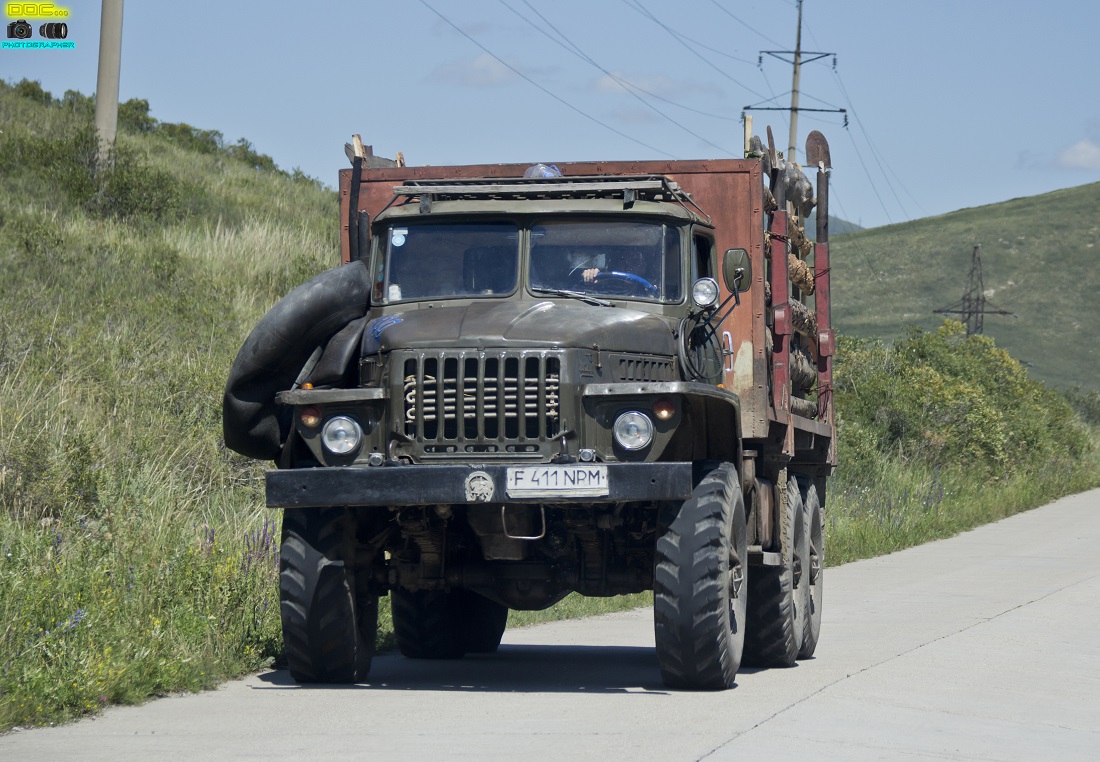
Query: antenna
point(973, 307)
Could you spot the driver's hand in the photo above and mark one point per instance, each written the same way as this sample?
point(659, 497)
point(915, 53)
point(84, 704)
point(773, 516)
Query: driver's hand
point(590, 274)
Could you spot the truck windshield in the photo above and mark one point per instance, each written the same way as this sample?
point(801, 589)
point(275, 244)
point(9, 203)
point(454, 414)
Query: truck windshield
point(635, 259)
point(429, 260)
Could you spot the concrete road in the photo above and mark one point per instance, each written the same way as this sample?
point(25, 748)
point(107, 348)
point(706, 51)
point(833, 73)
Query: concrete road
point(984, 646)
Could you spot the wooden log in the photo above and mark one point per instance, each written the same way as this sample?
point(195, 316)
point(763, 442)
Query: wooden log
point(801, 274)
point(803, 319)
point(803, 370)
point(803, 245)
point(803, 407)
point(769, 200)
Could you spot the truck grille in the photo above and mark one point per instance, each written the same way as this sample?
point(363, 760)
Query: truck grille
point(644, 368)
point(481, 397)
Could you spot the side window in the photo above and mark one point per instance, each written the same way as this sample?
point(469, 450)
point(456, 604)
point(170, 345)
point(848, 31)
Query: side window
point(701, 257)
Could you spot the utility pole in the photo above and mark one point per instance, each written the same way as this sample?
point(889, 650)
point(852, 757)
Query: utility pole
point(796, 58)
point(106, 92)
point(792, 143)
point(973, 307)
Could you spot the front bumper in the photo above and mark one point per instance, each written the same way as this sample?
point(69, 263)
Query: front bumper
point(448, 484)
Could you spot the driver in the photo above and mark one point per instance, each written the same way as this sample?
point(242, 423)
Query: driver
point(629, 261)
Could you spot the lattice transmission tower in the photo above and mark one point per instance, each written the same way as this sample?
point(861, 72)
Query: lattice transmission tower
point(974, 306)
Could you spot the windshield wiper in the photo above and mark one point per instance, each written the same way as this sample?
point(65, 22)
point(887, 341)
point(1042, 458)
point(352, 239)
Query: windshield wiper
point(586, 298)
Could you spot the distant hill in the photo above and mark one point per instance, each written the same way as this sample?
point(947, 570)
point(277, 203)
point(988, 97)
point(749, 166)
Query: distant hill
point(837, 226)
point(1039, 261)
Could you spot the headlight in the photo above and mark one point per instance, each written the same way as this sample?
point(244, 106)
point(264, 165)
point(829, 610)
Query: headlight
point(341, 435)
point(633, 430)
point(704, 292)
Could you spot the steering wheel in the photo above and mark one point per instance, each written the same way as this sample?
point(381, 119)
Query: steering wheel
point(629, 279)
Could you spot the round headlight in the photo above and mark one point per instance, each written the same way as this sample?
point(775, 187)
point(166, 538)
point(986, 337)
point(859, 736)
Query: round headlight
point(633, 430)
point(705, 292)
point(341, 435)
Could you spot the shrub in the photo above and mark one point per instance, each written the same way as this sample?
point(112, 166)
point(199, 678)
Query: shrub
point(1086, 402)
point(32, 90)
point(946, 399)
point(133, 115)
point(242, 151)
point(127, 189)
point(191, 138)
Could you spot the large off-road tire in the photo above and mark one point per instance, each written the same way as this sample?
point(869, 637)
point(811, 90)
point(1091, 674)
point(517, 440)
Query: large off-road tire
point(427, 624)
point(329, 626)
point(483, 621)
point(699, 586)
point(815, 567)
point(779, 595)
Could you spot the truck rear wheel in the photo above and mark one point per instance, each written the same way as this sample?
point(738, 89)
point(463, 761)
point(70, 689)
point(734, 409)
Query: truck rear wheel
point(779, 595)
point(815, 567)
point(329, 627)
point(427, 624)
point(699, 586)
point(483, 621)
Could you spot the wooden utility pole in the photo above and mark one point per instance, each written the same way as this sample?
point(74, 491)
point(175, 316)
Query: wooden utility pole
point(106, 92)
point(794, 86)
point(798, 56)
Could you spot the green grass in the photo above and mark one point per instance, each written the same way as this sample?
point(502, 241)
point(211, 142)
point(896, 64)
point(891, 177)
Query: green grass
point(135, 557)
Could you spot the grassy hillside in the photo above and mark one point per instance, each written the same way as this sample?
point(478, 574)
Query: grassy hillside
point(1038, 257)
point(135, 555)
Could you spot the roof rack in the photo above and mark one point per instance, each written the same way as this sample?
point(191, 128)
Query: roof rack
point(630, 188)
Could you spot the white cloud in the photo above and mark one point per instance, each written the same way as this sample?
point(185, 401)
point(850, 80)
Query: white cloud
point(1084, 154)
point(482, 71)
point(665, 87)
point(635, 116)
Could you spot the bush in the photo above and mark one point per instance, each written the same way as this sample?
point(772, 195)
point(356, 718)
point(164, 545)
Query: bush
point(32, 90)
point(946, 399)
point(127, 189)
point(1086, 402)
point(191, 138)
point(133, 115)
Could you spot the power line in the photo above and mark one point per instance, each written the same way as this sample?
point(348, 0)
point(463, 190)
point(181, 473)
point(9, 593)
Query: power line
point(556, 97)
point(573, 48)
point(742, 23)
point(870, 181)
point(871, 145)
point(637, 5)
point(853, 241)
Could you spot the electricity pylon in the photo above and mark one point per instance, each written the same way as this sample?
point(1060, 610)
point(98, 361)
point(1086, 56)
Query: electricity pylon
point(973, 307)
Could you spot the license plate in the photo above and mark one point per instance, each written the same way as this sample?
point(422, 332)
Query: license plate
point(557, 481)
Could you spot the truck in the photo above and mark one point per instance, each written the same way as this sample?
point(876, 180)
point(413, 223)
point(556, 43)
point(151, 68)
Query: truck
point(526, 381)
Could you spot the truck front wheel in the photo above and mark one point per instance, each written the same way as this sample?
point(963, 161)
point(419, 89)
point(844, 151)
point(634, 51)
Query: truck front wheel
point(699, 595)
point(329, 626)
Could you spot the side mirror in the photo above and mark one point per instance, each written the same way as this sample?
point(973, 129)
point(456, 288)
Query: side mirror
point(361, 244)
point(737, 270)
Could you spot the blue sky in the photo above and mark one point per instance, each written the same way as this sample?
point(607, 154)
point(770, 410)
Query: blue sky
point(950, 104)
